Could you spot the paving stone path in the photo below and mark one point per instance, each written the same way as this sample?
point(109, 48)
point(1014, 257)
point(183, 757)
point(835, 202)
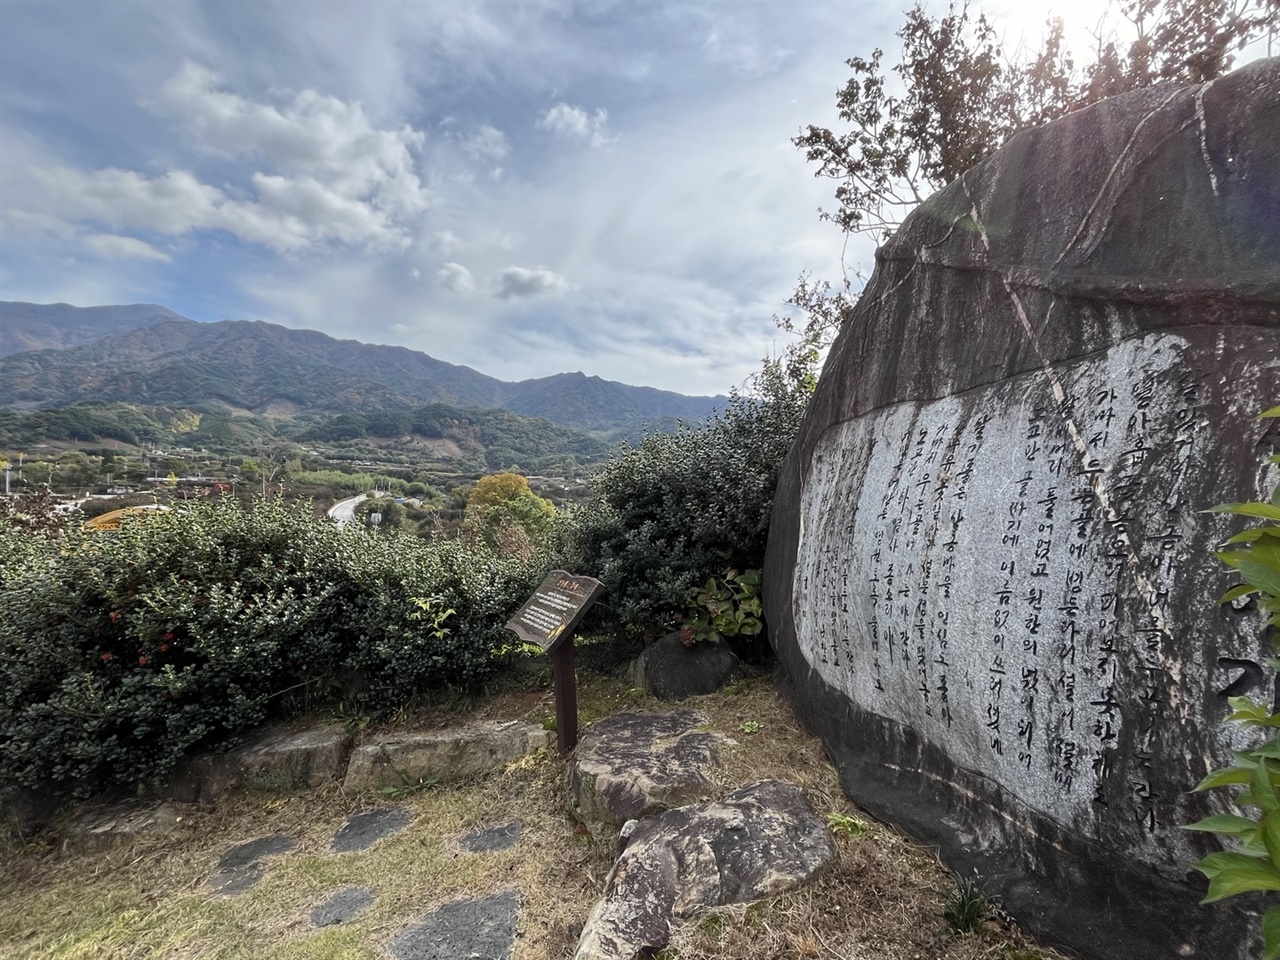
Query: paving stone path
point(363, 830)
point(489, 839)
point(341, 907)
point(711, 853)
point(481, 929)
point(241, 867)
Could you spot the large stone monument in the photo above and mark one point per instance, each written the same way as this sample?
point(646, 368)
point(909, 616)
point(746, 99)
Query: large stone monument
point(989, 578)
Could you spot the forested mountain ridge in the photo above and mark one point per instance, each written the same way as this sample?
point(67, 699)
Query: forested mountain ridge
point(257, 366)
point(40, 326)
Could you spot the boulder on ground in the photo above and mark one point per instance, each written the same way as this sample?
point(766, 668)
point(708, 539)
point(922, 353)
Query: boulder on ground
point(458, 753)
point(630, 765)
point(24, 812)
point(990, 572)
point(759, 841)
point(669, 670)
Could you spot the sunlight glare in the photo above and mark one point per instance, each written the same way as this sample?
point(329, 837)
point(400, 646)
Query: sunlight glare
point(1022, 23)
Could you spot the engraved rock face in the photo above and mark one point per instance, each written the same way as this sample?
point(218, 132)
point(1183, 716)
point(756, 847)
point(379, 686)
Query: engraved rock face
point(989, 577)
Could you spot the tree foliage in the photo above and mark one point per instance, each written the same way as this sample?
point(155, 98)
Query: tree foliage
point(681, 507)
point(506, 515)
point(964, 95)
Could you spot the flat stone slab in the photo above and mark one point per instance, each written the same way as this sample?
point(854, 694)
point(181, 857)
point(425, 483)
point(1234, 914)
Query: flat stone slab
point(241, 867)
point(276, 759)
point(101, 826)
point(458, 753)
point(491, 839)
point(472, 929)
point(341, 907)
point(630, 765)
point(363, 830)
point(759, 841)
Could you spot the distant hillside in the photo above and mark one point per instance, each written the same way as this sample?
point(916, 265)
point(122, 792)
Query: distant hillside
point(40, 326)
point(470, 440)
point(261, 367)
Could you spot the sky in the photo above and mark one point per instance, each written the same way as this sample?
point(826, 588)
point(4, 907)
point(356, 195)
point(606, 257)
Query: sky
point(523, 188)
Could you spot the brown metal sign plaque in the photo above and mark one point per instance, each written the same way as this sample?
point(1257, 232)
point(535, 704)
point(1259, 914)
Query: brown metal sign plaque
point(555, 608)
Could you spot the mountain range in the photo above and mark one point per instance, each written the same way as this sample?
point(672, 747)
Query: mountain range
point(54, 355)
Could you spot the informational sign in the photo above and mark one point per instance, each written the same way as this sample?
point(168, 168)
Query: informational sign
point(548, 620)
point(555, 608)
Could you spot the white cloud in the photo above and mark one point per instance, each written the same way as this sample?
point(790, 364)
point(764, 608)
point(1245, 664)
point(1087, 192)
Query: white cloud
point(306, 142)
point(456, 278)
point(114, 247)
point(445, 242)
point(331, 177)
point(566, 120)
point(520, 282)
point(316, 137)
point(486, 142)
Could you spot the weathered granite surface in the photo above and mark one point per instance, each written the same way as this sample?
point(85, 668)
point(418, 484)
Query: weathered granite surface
point(492, 839)
point(988, 576)
point(274, 759)
point(362, 830)
point(341, 906)
point(759, 841)
point(241, 867)
point(101, 825)
point(629, 765)
point(458, 753)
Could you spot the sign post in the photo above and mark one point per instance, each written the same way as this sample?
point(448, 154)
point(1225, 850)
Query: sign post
point(548, 619)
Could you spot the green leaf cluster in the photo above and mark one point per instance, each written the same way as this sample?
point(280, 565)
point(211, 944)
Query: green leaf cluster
point(1254, 864)
point(728, 607)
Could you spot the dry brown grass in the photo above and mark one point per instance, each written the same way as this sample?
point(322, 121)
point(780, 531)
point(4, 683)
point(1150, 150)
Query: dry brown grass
point(882, 899)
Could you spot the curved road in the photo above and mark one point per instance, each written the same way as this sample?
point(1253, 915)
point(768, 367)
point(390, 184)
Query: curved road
point(344, 511)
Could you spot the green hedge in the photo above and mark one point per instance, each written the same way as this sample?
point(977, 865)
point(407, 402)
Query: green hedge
point(683, 507)
point(122, 651)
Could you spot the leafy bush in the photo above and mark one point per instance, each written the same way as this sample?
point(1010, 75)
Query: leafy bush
point(1255, 863)
point(120, 652)
point(681, 507)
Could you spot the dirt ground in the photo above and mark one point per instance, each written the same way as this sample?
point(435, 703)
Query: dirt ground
point(883, 899)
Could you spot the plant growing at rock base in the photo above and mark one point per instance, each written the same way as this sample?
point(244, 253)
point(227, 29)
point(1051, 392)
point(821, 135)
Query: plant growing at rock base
point(724, 608)
point(1254, 864)
point(968, 904)
point(847, 827)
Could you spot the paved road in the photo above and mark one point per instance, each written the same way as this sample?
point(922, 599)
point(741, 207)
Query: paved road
point(344, 511)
